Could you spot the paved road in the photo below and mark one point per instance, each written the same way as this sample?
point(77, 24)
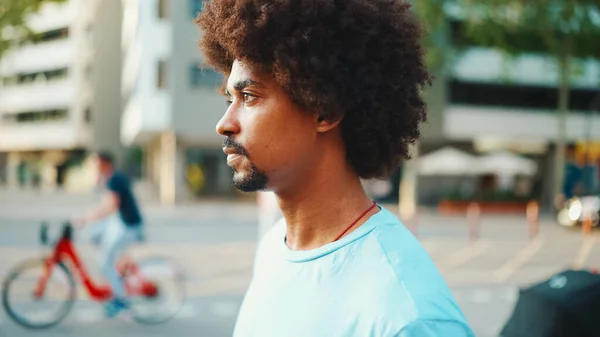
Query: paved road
point(215, 244)
point(201, 316)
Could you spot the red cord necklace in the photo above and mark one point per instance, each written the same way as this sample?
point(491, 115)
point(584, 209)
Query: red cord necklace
point(355, 221)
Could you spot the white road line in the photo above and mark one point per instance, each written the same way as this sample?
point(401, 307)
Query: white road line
point(584, 252)
point(465, 254)
point(481, 296)
point(88, 315)
point(188, 311)
point(510, 294)
point(512, 266)
point(224, 309)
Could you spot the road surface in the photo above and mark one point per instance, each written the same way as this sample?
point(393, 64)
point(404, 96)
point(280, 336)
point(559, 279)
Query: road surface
point(215, 241)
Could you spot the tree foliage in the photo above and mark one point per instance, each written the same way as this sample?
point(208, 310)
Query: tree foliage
point(511, 26)
point(13, 15)
point(564, 29)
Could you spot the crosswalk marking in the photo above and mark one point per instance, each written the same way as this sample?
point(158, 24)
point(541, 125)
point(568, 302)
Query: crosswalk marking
point(88, 313)
point(584, 252)
point(513, 265)
point(223, 268)
point(462, 256)
point(482, 295)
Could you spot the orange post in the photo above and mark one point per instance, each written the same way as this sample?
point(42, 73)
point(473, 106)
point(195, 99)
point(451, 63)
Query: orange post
point(473, 220)
point(587, 222)
point(533, 218)
point(413, 224)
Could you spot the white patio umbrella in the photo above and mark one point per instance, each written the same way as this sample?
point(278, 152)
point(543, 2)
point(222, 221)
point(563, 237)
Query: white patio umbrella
point(505, 163)
point(448, 161)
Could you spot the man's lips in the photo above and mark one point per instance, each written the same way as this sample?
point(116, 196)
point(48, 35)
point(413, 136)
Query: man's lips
point(230, 151)
point(232, 155)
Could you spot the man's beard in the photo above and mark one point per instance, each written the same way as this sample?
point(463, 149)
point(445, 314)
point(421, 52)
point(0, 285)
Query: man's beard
point(255, 180)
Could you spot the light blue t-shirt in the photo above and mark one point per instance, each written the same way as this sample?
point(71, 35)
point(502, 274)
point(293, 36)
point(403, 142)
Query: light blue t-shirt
point(378, 281)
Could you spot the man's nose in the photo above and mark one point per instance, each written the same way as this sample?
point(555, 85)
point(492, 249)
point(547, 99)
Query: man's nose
point(229, 124)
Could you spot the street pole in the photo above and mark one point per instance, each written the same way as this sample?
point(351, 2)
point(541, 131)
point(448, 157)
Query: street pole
point(408, 190)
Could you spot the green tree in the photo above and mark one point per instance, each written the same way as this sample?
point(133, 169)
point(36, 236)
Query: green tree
point(563, 29)
point(13, 14)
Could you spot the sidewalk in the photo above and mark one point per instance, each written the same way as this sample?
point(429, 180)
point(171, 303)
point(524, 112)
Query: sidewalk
point(29, 206)
point(32, 207)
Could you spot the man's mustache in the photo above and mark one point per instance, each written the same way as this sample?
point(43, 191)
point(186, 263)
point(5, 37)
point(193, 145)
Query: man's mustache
point(230, 143)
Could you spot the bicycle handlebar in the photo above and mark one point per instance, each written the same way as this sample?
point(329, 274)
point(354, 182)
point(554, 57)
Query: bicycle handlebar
point(44, 234)
point(67, 232)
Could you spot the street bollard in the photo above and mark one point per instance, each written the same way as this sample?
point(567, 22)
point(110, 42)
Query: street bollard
point(473, 220)
point(533, 219)
point(413, 224)
point(586, 227)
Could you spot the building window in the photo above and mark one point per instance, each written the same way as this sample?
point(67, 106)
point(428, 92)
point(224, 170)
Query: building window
point(41, 76)
point(35, 116)
point(204, 77)
point(196, 7)
point(161, 79)
point(162, 9)
point(88, 115)
point(51, 35)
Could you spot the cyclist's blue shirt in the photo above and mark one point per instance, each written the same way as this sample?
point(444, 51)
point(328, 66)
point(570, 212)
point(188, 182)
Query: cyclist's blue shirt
point(129, 210)
point(378, 281)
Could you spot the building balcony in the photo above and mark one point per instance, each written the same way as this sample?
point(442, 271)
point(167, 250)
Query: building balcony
point(43, 135)
point(146, 116)
point(488, 65)
point(53, 16)
point(38, 96)
point(39, 57)
point(463, 122)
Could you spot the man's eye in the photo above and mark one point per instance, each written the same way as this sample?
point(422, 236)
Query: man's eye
point(248, 98)
point(229, 101)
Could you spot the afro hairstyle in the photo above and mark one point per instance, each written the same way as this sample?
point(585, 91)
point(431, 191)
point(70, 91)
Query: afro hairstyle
point(360, 61)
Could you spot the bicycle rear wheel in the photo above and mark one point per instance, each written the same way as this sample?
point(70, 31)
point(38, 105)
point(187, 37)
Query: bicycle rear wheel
point(50, 307)
point(156, 290)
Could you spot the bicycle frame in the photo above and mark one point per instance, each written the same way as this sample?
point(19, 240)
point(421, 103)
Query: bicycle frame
point(64, 250)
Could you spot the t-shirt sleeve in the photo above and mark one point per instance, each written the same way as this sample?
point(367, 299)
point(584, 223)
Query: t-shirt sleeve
point(116, 184)
point(436, 328)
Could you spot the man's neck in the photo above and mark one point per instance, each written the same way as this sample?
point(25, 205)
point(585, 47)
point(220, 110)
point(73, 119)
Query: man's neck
point(319, 210)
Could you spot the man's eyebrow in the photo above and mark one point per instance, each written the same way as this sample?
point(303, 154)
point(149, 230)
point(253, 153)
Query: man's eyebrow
point(243, 84)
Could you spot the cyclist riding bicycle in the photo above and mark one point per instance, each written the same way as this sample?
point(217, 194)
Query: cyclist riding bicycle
point(115, 224)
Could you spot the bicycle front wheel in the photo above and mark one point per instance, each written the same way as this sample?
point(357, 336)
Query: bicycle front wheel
point(35, 304)
point(156, 289)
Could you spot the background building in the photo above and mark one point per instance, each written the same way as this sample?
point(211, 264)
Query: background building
point(60, 94)
point(171, 104)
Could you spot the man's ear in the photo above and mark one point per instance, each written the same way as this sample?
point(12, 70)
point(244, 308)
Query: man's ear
point(324, 125)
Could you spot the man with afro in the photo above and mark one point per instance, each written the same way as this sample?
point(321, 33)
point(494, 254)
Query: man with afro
point(322, 93)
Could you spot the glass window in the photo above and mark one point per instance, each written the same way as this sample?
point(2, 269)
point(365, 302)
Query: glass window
point(196, 7)
point(204, 77)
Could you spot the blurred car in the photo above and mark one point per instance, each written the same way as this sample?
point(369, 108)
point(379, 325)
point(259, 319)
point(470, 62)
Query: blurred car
point(573, 210)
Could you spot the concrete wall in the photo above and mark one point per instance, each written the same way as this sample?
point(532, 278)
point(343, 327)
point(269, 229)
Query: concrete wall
point(147, 109)
point(468, 122)
point(196, 110)
point(106, 106)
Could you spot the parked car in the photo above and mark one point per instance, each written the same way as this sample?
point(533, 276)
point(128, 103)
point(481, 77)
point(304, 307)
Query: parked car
point(572, 212)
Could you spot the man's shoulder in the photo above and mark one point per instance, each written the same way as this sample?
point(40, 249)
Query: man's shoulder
point(118, 177)
point(416, 274)
point(433, 326)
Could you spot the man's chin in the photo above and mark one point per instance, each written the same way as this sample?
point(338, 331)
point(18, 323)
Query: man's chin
point(249, 182)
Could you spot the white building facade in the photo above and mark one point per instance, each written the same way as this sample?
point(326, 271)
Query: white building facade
point(171, 104)
point(60, 94)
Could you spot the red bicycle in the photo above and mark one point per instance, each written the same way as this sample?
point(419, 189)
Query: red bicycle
point(154, 286)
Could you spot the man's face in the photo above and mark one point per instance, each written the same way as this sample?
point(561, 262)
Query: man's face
point(103, 168)
point(270, 142)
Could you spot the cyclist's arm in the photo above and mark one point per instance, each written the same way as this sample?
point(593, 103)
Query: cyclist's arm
point(109, 205)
